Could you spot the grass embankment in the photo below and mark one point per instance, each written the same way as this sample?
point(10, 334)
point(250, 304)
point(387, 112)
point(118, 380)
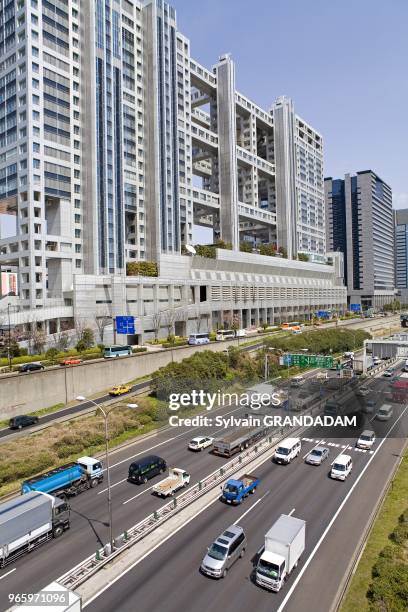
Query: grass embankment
point(64, 442)
point(380, 583)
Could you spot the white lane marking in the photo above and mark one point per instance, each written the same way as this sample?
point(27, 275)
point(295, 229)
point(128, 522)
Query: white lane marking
point(149, 552)
point(112, 485)
point(8, 573)
point(138, 495)
point(251, 508)
point(340, 453)
point(291, 512)
point(185, 433)
point(336, 514)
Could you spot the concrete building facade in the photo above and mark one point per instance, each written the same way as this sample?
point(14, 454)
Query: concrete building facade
point(360, 224)
point(401, 253)
point(115, 143)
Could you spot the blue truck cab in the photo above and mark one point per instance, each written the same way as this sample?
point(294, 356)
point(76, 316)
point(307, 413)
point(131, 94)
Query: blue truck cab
point(235, 490)
point(66, 480)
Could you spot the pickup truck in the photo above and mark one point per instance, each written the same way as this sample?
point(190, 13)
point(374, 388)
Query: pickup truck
point(177, 479)
point(235, 491)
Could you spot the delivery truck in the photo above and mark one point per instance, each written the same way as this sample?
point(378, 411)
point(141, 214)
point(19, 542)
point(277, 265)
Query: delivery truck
point(284, 544)
point(236, 490)
point(28, 521)
point(177, 479)
point(238, 440)
point(67, 480)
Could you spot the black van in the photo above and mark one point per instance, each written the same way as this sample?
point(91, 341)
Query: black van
point(22, 420)
point(145, 468)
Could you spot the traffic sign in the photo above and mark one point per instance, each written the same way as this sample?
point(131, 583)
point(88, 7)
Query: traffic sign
point(355, 307)
point(125, 325)
point(303, 361)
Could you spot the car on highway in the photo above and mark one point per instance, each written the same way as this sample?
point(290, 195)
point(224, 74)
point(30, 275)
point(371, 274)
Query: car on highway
point(317, 455)
point(363, 391)
point(200, 443)
point(22, 420)
point(389, 372)
point(341, 467)
point(297, 381)
point(287, 450)
point(369, 406)
point(366, 440)
point(31, 367)
point(384, 413)
point(222, 554)
point(70, 361)
point(141, 470)
point(120, 390)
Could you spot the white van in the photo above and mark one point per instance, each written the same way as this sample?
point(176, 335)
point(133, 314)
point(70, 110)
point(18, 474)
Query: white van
point(384, 413)
point(287, 450)
point(341, 467)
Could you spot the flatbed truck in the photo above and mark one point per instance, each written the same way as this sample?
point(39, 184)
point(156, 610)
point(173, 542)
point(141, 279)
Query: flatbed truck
point(238, 440)
point(236, 490)
point(177, 479)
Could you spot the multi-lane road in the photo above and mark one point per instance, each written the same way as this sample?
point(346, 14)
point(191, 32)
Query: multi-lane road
point(168, 578)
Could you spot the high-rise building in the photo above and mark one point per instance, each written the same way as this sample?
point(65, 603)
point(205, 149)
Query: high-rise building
point(401, 253)
point(115, 144)
point(360, 224)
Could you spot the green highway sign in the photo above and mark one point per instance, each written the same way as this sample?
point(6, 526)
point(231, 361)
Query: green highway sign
point(304, 361)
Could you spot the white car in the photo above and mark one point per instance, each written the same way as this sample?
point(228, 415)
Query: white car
point(366, 440)
point(199, 443)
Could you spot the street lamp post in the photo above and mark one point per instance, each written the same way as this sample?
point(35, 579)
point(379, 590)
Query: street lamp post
point(105, 414)
point(9, 337)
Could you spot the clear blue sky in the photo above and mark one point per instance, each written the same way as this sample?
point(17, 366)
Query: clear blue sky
point(343, 62)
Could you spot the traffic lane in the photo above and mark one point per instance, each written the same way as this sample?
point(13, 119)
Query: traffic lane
point(73, 410)
point(332, 560)
point(151, 584)
point(89, 527)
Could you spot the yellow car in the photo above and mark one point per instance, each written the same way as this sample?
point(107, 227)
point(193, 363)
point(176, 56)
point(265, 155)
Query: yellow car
point(120, 390)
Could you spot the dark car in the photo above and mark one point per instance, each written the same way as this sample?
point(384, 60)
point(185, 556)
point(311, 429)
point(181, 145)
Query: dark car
point(23, 420)
point(31, 367)
point(141, 470)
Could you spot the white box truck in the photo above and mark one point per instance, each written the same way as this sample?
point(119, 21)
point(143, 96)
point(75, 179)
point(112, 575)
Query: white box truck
point(284, 543)
point(28, 521)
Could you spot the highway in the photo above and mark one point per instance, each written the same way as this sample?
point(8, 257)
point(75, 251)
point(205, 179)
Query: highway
point(7, 434)
point(132, 503)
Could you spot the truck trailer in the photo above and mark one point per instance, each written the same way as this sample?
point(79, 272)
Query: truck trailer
point(284, 544)
point(28, 521)
point(238, 440)
point(67, 480)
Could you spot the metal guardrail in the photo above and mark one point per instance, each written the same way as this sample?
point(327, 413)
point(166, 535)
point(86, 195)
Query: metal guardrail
point(84, 570)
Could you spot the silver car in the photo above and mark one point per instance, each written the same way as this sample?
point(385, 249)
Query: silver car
point(317, 455)
point(223, 553)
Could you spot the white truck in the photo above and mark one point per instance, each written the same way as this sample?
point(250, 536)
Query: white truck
point(284, 544)
point(177, 479)
point(28, 521)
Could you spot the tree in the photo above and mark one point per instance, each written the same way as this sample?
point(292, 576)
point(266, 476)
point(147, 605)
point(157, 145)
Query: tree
point(61, 340)
point(102, 322)
point(267, 249)
point(245, 246)
point(303, 257)
point(170, 317)
point(88, 338)
point(156, 322)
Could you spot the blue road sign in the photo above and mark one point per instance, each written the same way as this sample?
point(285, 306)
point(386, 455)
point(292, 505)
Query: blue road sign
point(323, 314)
point(355, 307)
point(125, 325)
